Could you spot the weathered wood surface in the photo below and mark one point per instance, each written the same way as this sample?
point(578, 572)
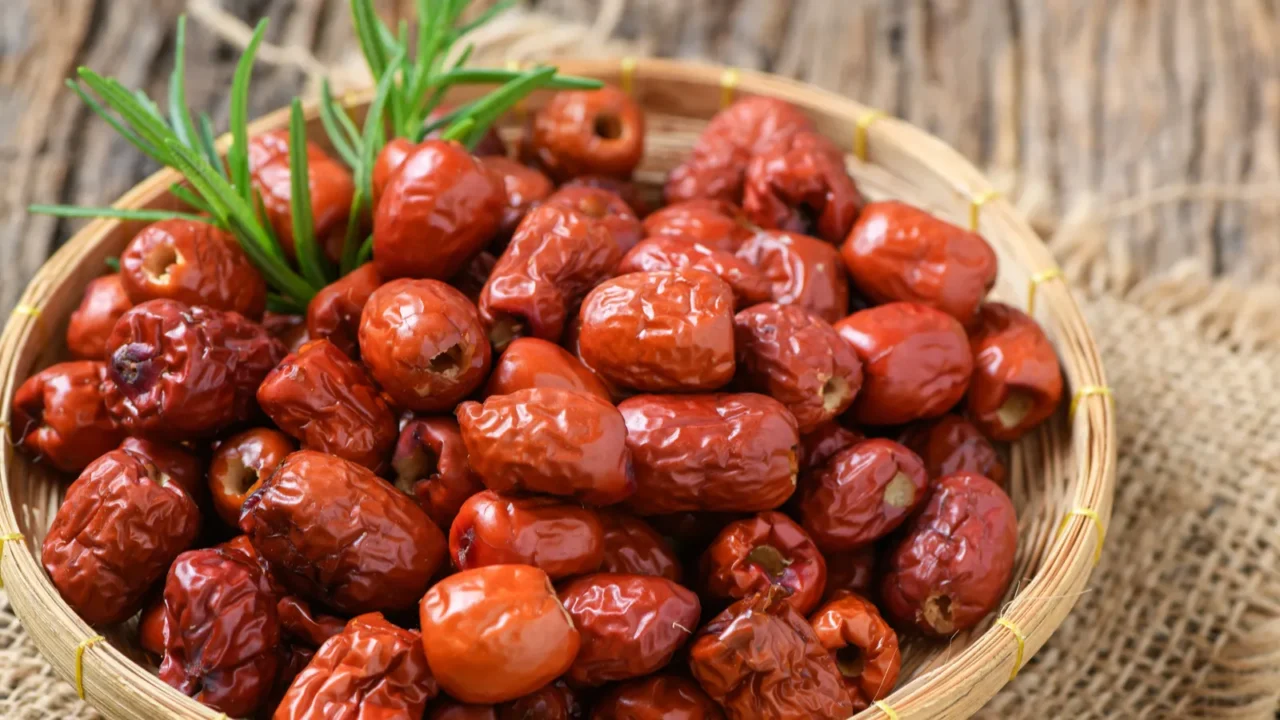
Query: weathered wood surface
point(1072, 105)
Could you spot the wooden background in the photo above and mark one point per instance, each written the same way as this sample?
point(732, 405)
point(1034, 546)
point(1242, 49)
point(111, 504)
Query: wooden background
point(1154, 123)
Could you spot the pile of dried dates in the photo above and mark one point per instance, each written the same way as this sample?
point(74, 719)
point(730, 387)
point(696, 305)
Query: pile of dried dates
point(549, 454)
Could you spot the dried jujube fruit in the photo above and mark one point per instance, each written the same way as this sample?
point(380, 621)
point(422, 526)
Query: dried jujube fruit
point(329, 182)
point(863, 646)
point(334, 313)
point(584, 132)
point(523, 186)
point(799, 183)
point(430, 464)
point(862, 494)
point(195, 263)
point(604, 206)
point(952, 444)
point(667, 252)
point(801, 270)
point(954, 562)
point(762, 552)
point(104, 301)
point(1017, 382)
point(240, 465)
point(718, 224)
point(530, 362)
point(657, 697)
point(60, 415)
point(632, 546)
point(561, 539)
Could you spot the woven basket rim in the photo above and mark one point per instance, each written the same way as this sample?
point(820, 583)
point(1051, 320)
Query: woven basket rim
point(955, 689)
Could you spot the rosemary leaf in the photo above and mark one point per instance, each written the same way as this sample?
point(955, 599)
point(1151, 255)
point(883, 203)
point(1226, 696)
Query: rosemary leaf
point(333, 127)
point(74, 211)
point(209, 147)
point(128, 134)
point(278, 303)
point(310, 259)
point(191, 199)
point(179, 115)
point(238, 155)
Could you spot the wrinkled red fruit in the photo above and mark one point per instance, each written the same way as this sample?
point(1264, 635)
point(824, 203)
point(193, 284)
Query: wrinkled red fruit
point(60, 415)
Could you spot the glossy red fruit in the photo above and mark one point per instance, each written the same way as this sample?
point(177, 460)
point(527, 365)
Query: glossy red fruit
point(561, 539)
point(438, 210)
point(718, 224)
point(862, 494)
point(1017, 383)
point(864, 647)
point(104, 301)
point(801, 270)
point(799, 183)
point(334, 313)
point(496, 633)
point(915, 360)
point(954, 563)
point(900, 253)
point(764, 551)
point(240, 465)
point(423, 342)
point(523, 187)
point(605, 206)
point(330, 183)
point(195, 263)
point(430, 464)
point(60, 415)
point(952, 444)
point(657, 697)
point(531, 362)
point(675, 253)
point(581, 132)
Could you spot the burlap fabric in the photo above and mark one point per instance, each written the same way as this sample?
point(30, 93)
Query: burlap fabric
point(1182, 617)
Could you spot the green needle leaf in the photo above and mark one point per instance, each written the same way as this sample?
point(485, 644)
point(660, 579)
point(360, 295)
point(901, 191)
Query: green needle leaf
point(238, 155)
point(278, 303)
point(128, 134)
point(330, 115)
point(209, 146)
point(74, 211)
point(310, 259)
point(179, 115)
point(190, 198)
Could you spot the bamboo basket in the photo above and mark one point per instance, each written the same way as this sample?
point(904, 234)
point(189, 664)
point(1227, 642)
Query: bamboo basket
point(1062, 475)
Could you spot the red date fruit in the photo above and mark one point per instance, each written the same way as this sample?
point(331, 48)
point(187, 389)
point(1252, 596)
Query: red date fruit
point(675, 253)
point(372, 669)
point(121, 524)
point(195, 263)
point(955, 561)
point(555, 257)
point(453, 710)
point(716, 167)
point(899, 253)
point(175, 461)
point(915, 362)
point(630, 625)
point(471, 280)
point(725, 452)
point(556, 701)
point(152, 628)
point(824, 442)
point(658, 697)
point(660, 331)
point(605, 206)
point(431, 466)
point(862, 494)
point(424, 344)
point(864, 647)
point(437, 211)
point(760, 658)
point(530, 363)
point(523, 186)
point(800, 184)
point(389, 160)
point(329, 182)
point(852, 571)
point(634, 548)
point(1017, 383)
point(223, 634)
point(794, 356)
point(366, 547)
point(801, 270)
point(328, 403)
point(630, 192)
point(104, 301)
point(497, 633)
point(717, 224)
point(302, 626)
point(770, 549)
point(561, 539)
point(60, 416)
point(290, 330)
point(581, 132)
point(241, 464)
point(182, 371)
point(952, 445)
point(549, 440)
point(334, 313)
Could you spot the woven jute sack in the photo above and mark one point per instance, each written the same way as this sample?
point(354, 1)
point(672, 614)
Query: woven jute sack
point(1181, 618)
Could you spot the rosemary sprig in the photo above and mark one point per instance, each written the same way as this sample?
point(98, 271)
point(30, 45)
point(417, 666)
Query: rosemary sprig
point(221, 192)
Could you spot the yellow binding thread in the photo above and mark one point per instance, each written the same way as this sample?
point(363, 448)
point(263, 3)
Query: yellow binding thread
point(975, 206)
point(860, 132)
point(84, 645)
point(1041, 277)
point(626, 74)
point(1022, 644)
point(1088, 391)
point(4, 539)
point(728, 86)
point(884, 708)
point(30, 311)
point(1097, 523)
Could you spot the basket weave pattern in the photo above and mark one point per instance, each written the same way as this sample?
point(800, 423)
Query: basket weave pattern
point(1061, 475)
